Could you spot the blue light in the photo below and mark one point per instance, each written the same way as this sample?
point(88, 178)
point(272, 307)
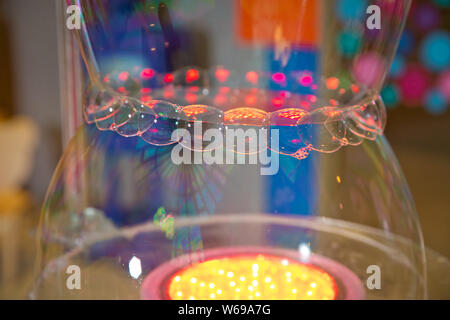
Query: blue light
point(435, 51)
point(442, 3)
point(435, 102)
point(398, 66)
point(351, 9)
point(349, 43)
point(406, 43)
point(390, 95)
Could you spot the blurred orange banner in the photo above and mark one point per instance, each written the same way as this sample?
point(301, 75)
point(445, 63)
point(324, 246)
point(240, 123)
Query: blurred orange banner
point(267, 21)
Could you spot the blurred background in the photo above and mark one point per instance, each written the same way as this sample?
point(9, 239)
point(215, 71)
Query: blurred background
point(417, 94)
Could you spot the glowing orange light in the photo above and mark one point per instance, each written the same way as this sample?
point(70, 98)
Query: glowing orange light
point(245, 116)
point(192, 75)
point(334, 102)
point(332, 83)
point(355, 88)
point(220, 99)
point(277, 102)
point(251, 276)
point(147, 73)
point(224, 90)
point(252, 77)
point(292, 114)
point(333, 114)
point(222, 74)
point(168, 78)
point(193, 111)
point(168, 93)
point(190, 97)
point(250, 100)
point(146, 99)
point(193, 89)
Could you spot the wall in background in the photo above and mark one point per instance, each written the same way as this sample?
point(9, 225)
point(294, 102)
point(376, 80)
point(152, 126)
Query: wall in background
point(33, 47)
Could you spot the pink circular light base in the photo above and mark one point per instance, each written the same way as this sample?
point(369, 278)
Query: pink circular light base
point(348, 283)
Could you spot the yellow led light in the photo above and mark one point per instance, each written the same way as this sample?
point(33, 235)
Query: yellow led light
point(262, 276)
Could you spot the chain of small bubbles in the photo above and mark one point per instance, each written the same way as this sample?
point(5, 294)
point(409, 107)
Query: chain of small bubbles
point(135, 104)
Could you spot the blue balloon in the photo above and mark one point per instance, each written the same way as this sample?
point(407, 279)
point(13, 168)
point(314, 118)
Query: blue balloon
point(435, 102)
point(435, 51)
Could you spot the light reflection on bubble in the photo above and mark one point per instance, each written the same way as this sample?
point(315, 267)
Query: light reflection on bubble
point(201, 118)
point(243, 130)
point(285, 121)
point(104, 116)
point(167, 118)
point(127, 118)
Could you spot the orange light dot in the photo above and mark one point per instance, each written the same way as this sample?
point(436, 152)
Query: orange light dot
point(332, 83)
point(252, 77)
point(222, 74)
point(277, 102)
point(190, 97)
point(192, 75)
point(250, 100)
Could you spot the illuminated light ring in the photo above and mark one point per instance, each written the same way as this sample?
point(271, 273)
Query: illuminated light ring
point(349, 287)
point(355, 125)
point(352, 117)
